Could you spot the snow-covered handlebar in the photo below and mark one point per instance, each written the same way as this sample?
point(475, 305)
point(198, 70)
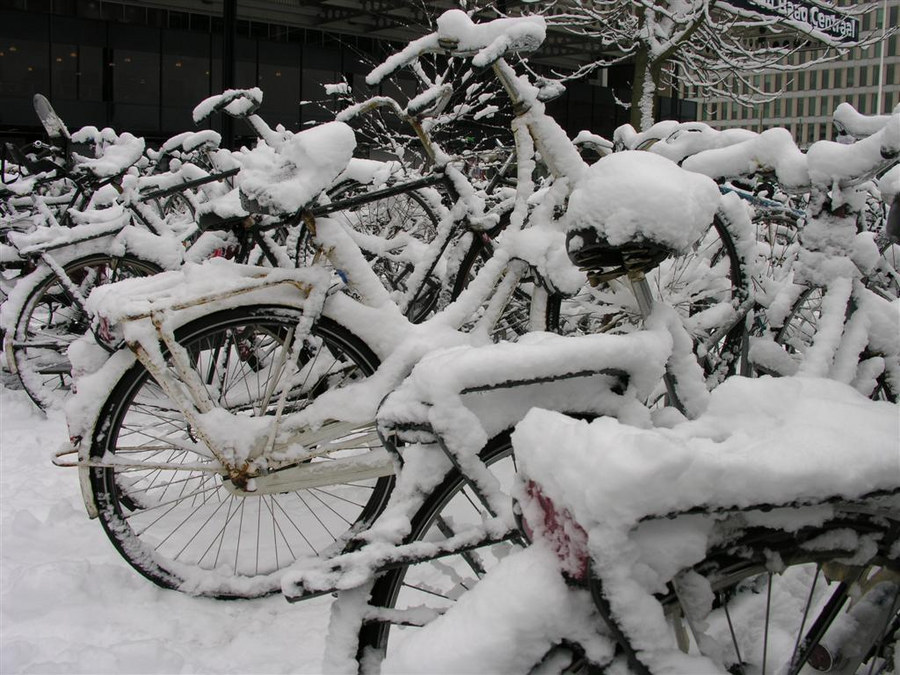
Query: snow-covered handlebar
point(854, 125)
point(235, 102)
point(458, 35)
point(826, 164)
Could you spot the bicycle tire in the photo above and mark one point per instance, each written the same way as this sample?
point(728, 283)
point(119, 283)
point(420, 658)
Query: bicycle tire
point(406, 215)
point(798, 334)
point(780, 599)
point(700, 283)
point(519, 316)
point(50, 320)
point(451, 501)
point(183, 529)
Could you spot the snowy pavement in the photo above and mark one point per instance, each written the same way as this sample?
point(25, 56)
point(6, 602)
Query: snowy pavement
point(70, 604)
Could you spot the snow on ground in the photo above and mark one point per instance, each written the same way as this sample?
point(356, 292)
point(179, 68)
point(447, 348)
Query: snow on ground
point(70, 604)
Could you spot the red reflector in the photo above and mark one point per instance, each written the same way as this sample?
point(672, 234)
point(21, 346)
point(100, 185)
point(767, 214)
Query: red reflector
point(558, 528)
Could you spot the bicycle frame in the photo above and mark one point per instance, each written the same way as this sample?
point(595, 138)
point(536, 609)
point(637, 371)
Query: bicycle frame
point(316, 294)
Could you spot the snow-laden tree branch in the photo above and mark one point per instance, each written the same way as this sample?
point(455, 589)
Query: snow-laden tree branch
point(696, 43)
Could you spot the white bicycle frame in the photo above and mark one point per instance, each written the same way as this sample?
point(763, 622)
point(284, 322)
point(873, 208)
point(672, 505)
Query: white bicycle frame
point(313, 290)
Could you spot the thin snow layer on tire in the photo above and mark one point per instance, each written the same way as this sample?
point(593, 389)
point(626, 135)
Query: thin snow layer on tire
point(506, 623)
point(638, 196)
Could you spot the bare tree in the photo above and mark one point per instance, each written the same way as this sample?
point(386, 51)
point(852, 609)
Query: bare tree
point(697, 44)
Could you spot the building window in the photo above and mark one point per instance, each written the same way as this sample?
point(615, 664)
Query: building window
point(851, 79)
point(135, 76)
point(23, 67)
point(863, 76)
point(826, 79)
point(838, 78)
point(64, 72)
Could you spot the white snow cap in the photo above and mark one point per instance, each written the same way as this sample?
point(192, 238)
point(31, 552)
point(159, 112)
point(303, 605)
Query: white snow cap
point(286, 180)
point(765, 440)
point(493, 39)
point(634, 195)
point(243, 102)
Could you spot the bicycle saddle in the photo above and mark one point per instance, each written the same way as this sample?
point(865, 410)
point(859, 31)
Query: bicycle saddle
point(603, 261)
point(281, 181)
point(631, 210)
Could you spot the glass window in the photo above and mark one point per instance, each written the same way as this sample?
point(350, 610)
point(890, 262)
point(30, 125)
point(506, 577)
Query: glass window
point(185, 68)
point(322, 66)
point(23, 67)
point(63, 72)
point(826, 79)
point(838, 78)
point(814, 79)
point(135, 76)
point(802, 80)
point(279, 77)
point(90, 73)
point(863, 76)
point(281, 84)
point(185, 79)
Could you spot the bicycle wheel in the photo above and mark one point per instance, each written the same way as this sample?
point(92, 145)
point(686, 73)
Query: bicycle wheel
point(704, 285)
point(520, 314)
point(831, 603)
point(798, 334)
point(393, 233)
point(184, 527)
point(418, 593)
point(50, 320)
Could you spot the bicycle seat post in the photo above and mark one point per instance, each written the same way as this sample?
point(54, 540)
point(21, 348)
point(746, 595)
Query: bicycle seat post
point(644, 296)
point(642, 292)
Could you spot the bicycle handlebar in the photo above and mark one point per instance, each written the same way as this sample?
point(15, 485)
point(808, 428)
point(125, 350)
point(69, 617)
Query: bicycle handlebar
point(34, 166)
point(235, 102)
point(825, 165)
point(458, 35)
point(850, 123)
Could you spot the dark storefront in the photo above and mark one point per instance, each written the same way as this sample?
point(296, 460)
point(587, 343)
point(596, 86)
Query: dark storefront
point(143, 69)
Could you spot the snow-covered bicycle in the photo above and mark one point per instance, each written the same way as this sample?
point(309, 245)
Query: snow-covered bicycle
point(238, 438)
point(701, 512)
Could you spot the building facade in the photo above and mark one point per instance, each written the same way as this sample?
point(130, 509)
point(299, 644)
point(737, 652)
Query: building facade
point(142, 66)
point(868, 79)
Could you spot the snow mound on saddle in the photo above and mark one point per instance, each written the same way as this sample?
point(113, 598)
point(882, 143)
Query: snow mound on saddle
point(638, 196)
point(284, 180)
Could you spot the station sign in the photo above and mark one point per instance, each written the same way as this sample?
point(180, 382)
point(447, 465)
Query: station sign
point(806, 16)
